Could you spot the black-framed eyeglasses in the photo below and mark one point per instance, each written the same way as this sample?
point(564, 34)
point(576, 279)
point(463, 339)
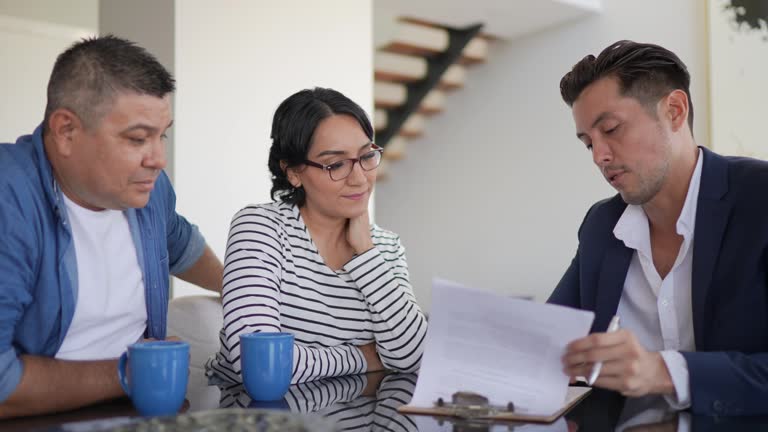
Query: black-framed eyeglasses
point(340, 170)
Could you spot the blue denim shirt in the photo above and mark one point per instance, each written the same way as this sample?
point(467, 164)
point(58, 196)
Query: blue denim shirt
point(38, 267)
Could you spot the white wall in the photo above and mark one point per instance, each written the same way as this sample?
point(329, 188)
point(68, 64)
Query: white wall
point(738, 66)
point(155, 34)
point(72, 13)
point(235, 62)
point(29, 45)
point(495, 191)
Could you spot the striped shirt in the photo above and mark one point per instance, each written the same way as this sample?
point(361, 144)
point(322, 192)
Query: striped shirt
point(341, 401)
point(276, 281)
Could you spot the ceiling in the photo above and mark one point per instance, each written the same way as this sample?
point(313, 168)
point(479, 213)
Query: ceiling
point(505, 19)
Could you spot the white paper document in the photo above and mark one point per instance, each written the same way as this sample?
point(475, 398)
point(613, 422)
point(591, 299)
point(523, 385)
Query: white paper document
point(506, 349)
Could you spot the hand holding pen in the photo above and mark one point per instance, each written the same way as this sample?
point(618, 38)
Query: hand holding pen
point(616, 360)
point(612, 327)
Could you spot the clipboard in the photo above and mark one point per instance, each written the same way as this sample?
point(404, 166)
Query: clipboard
point(475, 407)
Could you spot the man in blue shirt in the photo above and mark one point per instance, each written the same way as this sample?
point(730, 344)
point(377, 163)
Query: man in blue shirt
point(89, 230)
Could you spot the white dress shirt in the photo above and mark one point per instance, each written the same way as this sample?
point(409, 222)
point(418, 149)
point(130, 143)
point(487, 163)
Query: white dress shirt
point(658, 311)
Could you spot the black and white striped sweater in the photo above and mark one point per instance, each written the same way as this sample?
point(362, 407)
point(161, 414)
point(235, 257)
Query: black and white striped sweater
point(275, 280)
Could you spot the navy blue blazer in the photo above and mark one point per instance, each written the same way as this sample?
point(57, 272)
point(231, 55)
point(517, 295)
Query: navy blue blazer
point(729, 370)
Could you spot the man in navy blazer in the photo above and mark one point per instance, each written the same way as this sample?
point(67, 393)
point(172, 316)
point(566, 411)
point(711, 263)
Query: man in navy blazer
point(680, 254)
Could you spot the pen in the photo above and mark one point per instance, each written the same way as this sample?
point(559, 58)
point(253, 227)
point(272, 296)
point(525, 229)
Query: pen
point(612, 327)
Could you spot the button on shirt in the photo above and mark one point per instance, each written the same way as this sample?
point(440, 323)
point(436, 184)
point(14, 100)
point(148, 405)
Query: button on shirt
point(659, 311)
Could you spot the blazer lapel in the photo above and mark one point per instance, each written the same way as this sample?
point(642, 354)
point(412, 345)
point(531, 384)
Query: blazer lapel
point(711, 219)
point(610, 285)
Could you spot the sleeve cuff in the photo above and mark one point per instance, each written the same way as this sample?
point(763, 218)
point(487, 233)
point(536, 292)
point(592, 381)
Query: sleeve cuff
point(684, 422)
point(361, 360)
point(678, 371)
point(10, 373)
point(192, 253)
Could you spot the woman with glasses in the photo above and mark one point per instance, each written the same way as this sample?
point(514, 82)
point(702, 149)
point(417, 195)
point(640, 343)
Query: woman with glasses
point(311, 263)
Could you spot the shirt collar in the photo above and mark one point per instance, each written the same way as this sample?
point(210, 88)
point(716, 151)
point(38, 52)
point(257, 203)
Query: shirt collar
point(632, 228)
point(50, 186)
point(687, 220)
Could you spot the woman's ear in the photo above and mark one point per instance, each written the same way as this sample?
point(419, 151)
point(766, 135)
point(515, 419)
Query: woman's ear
point(293, 176)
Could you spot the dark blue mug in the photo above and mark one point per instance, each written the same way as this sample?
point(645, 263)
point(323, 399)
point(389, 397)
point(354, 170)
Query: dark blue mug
point(279, 405)
point(267, 364)
point(158, 376)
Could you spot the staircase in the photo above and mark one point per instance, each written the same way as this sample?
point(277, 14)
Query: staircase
point(413, 72)
point(425, 49)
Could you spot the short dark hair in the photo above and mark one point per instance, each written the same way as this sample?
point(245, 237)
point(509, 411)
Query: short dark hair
point(293, 127)
point(86, 77)
point(645, 72)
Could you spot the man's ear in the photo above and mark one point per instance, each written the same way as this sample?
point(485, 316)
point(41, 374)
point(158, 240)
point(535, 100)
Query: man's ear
point(293, 175)
point(63, 126)
point(676, 109)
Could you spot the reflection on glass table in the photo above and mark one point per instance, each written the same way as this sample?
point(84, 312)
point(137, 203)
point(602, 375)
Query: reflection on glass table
point(609, 411)
point(369, 403)
point(358, 402)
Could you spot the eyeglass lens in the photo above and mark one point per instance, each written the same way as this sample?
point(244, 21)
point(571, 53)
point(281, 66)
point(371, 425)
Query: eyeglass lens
point(342, 169)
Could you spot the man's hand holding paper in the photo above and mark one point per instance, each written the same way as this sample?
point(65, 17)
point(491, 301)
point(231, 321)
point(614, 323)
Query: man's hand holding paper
point(506, 349)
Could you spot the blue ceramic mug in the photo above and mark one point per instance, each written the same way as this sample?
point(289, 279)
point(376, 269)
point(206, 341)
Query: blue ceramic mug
point(267, 364)
point(158, 376)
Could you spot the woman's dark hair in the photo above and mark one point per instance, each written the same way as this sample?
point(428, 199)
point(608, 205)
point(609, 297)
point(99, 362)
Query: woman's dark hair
point(293, 127)
point(646, 72)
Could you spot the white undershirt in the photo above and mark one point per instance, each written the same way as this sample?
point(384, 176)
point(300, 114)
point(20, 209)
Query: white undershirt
point(659, 311)
point(110, 312)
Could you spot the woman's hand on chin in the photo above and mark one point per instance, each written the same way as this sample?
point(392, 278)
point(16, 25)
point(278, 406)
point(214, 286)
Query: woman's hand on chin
point(359, 233)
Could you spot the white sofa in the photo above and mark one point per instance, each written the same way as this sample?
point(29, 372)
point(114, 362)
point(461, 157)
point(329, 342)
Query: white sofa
point(197, 320)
